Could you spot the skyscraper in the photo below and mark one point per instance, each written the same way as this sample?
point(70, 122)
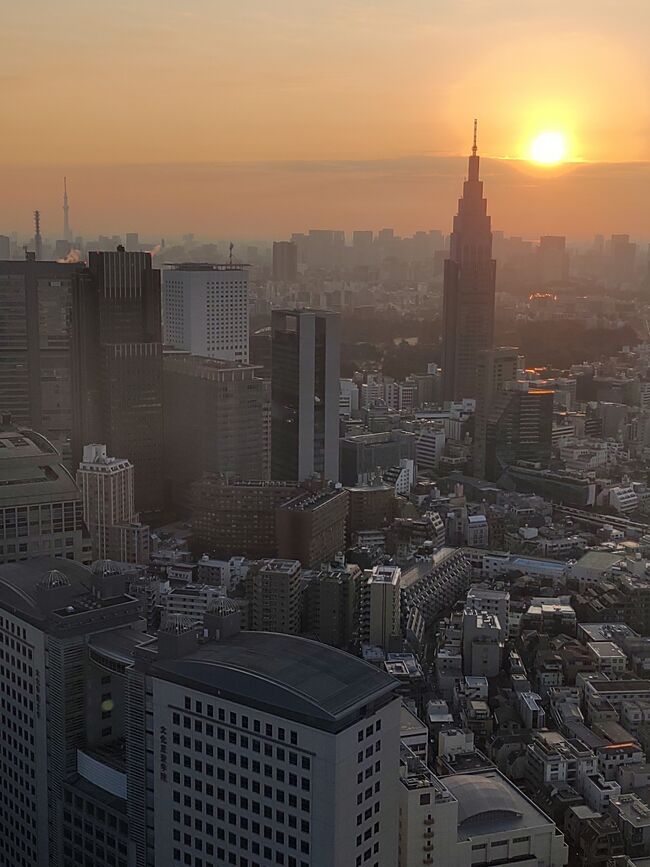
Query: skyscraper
point(552, 259)
point(106, 486)
point(206, 309)
point(35, 346)
point(117, 366)
point(305, 394)
point(519, 428)
point(469, 285)
point(215, 421)
point(495, 367)
point(285, 261)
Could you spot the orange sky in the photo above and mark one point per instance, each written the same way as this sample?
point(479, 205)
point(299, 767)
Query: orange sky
point(260, 118)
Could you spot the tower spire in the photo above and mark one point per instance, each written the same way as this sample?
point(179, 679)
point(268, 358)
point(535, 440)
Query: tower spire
point(474, 142)
point(66, 212)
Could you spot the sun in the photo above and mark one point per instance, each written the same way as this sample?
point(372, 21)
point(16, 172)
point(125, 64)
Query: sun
point(548, 148)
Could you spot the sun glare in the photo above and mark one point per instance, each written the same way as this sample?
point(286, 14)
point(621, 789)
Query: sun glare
point(548, 148)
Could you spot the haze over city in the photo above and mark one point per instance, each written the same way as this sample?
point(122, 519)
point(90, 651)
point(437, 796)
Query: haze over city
point(353, 115)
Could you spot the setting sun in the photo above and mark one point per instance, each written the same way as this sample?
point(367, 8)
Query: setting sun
point(548, 148)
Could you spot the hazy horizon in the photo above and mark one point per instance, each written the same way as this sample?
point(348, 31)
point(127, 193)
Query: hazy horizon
point(257, 120)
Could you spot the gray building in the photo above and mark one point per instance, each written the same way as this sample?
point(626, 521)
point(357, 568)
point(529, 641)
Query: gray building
point(41, 509)
point(364, 454)
point(305, 394)
point(62, 781)
point(263, 749)
point(35, 359)
point(215, 421)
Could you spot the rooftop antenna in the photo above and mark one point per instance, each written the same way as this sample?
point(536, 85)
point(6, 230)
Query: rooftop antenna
point(38, 241)
point(230, 256)
point(474, 142)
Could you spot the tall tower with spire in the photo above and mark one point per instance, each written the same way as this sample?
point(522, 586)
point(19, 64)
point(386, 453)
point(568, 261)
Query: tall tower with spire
point(67, 234)
point(469, 285)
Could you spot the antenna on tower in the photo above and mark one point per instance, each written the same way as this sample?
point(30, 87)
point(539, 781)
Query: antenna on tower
point(66, 212)
point(230, 256)
point(38, 241)
point(474, 142)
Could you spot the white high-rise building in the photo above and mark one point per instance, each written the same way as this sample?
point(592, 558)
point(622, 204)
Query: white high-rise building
point(205, 309)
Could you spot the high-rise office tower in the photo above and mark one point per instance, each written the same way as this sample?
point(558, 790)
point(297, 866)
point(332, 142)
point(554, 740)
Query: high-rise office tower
point(199, 745)
point(285, 261)
point(41, 512)
point(117, 366)
point(107, 490)
point(67, 232)
point(305, 394)
point(552, 259)
point(205, 309)
point(519, 428)
point(35, 346)
point(469, 285)
point(273, 591)
point(494, 368)
point(215, 418)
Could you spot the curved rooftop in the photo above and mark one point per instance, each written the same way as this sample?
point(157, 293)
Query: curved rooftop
point(489, 803)
point(295, 677)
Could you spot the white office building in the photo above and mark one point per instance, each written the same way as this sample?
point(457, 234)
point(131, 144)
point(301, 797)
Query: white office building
point(205, 309)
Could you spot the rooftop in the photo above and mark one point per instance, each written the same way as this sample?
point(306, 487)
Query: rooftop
point(31, 469)
point(489, 803)
point(294, 677)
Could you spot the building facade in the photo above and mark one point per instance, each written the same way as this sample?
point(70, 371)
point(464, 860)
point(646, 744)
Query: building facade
point(215, 415)
point(305, 394)
point(469, 287)
point(107, 489)
point(205, 309)
point(117, 366)
point(41, 509)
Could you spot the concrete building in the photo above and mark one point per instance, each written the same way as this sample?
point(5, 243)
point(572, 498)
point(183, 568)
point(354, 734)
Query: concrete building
point(214, 422)
point(430, 446)
point(285, 261)
point(238, 517)
point(294, 767)
point(362, 455)
point(41, 509)
point(380, 609)
point(495, 367)
point(305, 394)
point(107, 490)
point(492, 601)
point(435, 584)
point(468, 819)
point(609, 658)
point(205, 309)
point(311, 528)
point(330, 605)
point(117, 366)
point(483, 641)
point(191, 601)
point(61, 763)
point(273, 590)
point(35, 346)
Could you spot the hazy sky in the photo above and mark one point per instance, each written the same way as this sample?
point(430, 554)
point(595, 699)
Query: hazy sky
point(264, 116)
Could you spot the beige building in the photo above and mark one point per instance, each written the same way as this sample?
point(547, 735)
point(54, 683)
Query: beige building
point(107, 489)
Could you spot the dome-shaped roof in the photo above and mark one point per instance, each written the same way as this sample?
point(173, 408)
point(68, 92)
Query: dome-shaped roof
point(177, 624)
point(53, 578)
point(106, 567)
point(479, 795)
point(222, 605)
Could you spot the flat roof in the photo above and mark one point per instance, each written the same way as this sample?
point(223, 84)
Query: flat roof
point(295, 677)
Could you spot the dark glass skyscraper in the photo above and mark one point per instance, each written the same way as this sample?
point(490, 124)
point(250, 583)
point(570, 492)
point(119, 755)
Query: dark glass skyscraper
point(117, 366)
point(305, 366)
point(468, 295)
point(519, 428)
point(35, 364)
